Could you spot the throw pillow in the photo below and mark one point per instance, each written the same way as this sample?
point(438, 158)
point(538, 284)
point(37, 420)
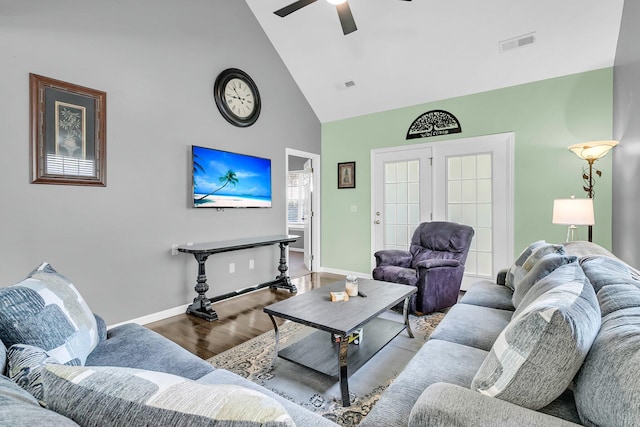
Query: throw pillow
point(537, 355)
point(517, 264)
point(136, 397)
point(542, 267)
point(45, 310)
point(607, 390)
point(3, 358)
point(25, 364)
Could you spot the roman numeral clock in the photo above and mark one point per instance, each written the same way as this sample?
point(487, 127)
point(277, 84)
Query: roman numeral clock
point(237, 97)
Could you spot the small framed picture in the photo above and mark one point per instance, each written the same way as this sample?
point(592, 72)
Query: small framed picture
point(347, 175)
point(68, 133)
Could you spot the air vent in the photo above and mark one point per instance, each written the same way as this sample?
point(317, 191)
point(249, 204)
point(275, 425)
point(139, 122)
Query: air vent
point(349, 84)
point(516, 42)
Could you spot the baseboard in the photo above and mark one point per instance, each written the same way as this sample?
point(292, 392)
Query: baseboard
point(154, 317)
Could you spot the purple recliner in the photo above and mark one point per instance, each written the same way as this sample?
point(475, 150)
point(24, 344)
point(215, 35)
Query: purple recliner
point(434, 263)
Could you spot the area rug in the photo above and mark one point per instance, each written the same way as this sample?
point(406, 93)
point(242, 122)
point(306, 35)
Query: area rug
point(315, 391)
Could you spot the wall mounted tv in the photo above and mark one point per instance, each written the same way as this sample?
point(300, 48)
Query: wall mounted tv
point(222, 179)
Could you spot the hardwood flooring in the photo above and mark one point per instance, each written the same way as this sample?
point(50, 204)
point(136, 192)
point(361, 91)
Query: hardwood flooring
point(240, 319)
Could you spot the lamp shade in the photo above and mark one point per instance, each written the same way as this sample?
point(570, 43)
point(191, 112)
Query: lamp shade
point(573, 212)
point(592, 150)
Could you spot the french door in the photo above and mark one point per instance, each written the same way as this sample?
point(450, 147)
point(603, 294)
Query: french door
point(468, 181)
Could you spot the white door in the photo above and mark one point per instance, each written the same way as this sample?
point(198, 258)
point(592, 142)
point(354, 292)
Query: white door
point(401, 195)
point(307, 181)
point(473, 185)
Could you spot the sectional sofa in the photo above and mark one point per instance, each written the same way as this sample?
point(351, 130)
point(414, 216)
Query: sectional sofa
point(555, 341)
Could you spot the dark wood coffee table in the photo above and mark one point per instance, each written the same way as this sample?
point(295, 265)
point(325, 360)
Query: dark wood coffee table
point(318, 351)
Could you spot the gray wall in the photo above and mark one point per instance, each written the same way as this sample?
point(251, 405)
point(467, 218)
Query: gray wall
point(157, 61)
point(626, 129)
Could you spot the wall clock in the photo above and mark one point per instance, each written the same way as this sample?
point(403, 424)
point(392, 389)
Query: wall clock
point(237, 97)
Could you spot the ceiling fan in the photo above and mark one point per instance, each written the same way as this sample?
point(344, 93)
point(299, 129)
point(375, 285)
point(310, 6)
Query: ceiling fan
point(342, 6)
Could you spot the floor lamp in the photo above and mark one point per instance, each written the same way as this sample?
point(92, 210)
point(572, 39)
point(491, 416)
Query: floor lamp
point(591, 151)
point(573, 212)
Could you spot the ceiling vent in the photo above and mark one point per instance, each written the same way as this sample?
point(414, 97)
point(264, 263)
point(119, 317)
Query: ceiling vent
point(349, 84)
point(516, 42)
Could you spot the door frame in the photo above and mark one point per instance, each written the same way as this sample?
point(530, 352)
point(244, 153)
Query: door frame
point(315, 202)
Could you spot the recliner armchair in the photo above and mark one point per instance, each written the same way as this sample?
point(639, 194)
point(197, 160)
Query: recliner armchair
point(434, 263)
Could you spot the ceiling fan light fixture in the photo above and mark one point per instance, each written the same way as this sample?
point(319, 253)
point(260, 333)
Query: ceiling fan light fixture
point(336, 2)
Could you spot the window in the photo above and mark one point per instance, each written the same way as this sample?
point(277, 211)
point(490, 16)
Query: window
point(295, 197)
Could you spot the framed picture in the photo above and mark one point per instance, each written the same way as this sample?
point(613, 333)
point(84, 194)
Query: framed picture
point(347, 175)
point(68, 133)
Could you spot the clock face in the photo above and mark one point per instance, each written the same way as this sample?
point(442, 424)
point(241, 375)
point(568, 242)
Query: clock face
point(237, 97)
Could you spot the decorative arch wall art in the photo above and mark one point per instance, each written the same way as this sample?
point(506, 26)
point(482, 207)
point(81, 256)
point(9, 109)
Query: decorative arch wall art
point(434, 123)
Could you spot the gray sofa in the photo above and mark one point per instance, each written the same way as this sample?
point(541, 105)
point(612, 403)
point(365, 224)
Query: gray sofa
point(129, 363)
point(555, 341)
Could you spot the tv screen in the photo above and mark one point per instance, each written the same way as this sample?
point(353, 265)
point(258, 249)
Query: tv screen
point(222, 179)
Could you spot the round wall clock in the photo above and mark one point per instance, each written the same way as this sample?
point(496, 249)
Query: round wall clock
point(237, 97)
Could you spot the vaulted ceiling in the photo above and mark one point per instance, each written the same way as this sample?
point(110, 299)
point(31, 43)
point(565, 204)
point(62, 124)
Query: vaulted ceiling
point(411, 52)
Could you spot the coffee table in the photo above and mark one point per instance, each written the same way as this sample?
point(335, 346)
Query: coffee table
point(318, 350)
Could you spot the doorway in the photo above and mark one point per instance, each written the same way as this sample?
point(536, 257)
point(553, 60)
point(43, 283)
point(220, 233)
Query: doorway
point(302, 208)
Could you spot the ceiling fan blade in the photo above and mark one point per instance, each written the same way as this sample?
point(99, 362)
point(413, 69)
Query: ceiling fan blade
point(346, 18)
point(293, 7)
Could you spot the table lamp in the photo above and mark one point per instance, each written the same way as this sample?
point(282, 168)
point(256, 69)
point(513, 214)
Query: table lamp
point(573, 212)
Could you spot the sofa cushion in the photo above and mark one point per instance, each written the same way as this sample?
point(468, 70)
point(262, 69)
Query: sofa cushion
point(138, 397)
point(446, 405)
point(515, 268)
point(604, 270)
point(25, 364)
point(436, 361)
point(134, 346)
point(607, 389)
point(472, 325)
point(45, 310)
point(488, 294)
point(19, 408)
point(537, 355)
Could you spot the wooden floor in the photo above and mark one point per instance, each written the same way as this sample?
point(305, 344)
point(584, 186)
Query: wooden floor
point(240, 319)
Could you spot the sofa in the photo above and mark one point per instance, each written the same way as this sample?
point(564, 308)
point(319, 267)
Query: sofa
point(554, 341)
point(63, 368)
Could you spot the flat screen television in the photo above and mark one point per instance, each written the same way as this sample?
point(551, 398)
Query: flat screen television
point(223, 179)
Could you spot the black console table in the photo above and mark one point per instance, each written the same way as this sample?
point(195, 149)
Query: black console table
point(201, 306)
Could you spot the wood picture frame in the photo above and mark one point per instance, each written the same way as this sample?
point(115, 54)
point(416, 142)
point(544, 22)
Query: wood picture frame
point(347, 175)
point(68, 133)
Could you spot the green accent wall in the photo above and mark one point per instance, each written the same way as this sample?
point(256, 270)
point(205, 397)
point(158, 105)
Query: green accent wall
point(546, 117)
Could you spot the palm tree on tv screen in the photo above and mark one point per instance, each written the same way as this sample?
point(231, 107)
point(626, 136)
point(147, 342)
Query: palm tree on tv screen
point(228, 178)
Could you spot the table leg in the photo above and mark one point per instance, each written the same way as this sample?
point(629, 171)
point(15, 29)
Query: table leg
point(276, 347)
point(342, 366)
point(405, 312)
point(201, 305)
point(282, 280)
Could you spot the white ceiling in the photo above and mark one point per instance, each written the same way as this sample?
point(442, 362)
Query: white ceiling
point(411, 52)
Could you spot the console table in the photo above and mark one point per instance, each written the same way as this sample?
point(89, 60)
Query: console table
point(201, 305)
